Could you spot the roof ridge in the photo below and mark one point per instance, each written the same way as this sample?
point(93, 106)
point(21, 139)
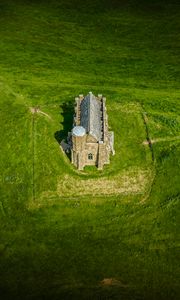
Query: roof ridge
point(90, 104)
point(91, 115)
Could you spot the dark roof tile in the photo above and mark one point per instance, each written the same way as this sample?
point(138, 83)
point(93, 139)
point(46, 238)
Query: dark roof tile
point(91, 116)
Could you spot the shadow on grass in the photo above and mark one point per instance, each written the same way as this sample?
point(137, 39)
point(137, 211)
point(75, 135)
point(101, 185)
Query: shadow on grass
point(67, 113)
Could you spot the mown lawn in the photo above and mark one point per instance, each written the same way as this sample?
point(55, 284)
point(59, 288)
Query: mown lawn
point(120, 224)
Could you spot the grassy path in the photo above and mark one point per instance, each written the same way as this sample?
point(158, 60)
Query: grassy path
point(163, 139)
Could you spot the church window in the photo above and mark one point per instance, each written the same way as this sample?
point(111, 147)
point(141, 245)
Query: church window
point(90, 156)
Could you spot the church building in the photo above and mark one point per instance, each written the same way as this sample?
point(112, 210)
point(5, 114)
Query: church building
point(91, 142)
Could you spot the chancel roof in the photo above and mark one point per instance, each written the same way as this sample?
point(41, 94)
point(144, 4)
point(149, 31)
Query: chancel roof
point(91, 116)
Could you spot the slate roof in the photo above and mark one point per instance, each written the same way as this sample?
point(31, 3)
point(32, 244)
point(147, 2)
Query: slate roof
point(90, 116)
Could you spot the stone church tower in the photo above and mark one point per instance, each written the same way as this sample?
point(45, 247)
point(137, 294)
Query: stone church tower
point(92, 143)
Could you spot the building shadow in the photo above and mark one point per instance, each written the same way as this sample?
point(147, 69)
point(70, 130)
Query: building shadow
point(66, 110)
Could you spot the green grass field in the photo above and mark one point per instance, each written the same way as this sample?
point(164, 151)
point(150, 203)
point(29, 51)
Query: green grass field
point(68, 234)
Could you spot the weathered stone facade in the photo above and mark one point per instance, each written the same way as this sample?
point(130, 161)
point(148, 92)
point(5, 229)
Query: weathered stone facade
point(91, 142)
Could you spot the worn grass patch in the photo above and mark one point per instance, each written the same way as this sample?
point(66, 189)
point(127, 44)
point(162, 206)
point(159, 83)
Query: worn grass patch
point(128, 182)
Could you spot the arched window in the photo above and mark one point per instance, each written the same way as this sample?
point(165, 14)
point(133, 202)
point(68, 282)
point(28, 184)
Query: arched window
point(90, 156)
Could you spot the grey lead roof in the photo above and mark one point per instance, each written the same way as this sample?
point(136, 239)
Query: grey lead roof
point(78, 131)
point(91, 116)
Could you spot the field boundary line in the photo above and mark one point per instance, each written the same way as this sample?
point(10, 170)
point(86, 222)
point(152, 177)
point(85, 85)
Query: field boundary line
point(2, 209)
point(149, 142)
point(33, 157)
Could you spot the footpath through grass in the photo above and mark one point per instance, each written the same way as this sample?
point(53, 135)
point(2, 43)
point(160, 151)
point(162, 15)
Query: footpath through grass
point(66, 234)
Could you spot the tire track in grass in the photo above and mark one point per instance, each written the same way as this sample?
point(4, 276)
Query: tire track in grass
point(149, 142)
point(34, 111)
point(33, 157)
point(2, 209)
